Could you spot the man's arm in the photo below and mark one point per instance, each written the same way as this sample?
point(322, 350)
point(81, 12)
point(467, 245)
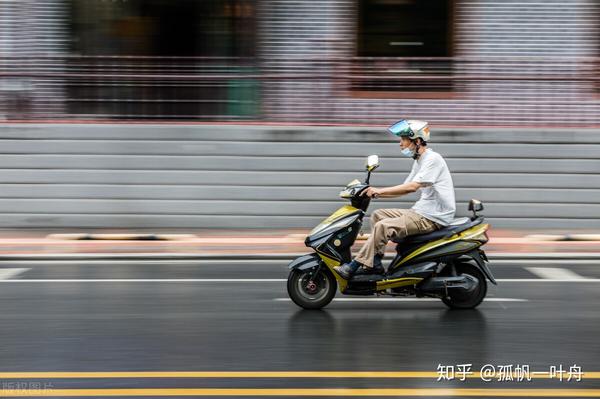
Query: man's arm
point(402, 189)
point(426, 175)
point(394, 191)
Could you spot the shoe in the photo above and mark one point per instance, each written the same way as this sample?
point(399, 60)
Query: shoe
point(347, 269)
point(376, 269)
point(370, 270)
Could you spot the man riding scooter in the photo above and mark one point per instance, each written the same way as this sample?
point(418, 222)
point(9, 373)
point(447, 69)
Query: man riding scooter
point(435, 208)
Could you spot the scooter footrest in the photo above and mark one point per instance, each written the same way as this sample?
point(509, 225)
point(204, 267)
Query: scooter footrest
point(366, 278)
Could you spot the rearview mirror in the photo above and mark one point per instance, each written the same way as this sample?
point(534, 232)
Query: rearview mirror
point(372, 162)
point(475, 205)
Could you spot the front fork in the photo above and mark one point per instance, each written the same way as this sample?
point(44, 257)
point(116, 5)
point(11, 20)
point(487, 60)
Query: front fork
point(315, 273)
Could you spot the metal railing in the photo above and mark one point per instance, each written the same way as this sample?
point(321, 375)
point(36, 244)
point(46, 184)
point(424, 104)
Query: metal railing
point(138, 88)
point(491, 91)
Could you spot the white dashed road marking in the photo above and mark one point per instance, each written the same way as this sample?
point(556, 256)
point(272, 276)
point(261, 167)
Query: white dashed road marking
point(554, 273)
point(408, 300)
point(8, 273)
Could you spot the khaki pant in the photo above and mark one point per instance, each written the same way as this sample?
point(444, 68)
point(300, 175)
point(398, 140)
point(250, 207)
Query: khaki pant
point(388, 224)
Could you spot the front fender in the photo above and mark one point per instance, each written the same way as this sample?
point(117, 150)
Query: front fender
point(305, 262)
point(311, 261)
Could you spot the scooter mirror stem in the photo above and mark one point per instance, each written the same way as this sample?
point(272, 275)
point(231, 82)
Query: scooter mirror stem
point(368, 177)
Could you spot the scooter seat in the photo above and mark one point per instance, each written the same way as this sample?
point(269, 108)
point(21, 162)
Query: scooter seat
point(456, 226)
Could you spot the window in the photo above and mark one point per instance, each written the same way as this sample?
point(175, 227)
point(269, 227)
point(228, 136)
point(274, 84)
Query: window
point(404, 46)
point(183, 59)
point(223, 28)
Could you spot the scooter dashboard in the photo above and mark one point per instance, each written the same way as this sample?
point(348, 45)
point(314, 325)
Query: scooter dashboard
point(352, 189)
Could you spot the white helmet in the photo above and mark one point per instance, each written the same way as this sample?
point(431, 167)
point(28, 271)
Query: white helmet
point(411, 129)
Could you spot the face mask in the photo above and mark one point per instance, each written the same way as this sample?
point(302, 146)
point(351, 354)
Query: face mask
point(407, 152)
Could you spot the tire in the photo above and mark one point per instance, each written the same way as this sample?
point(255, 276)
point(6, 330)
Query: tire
point(311, 298)
point(469, 300)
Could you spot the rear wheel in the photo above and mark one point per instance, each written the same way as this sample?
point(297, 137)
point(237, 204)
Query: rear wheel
point(472, 299)
point(311, 292)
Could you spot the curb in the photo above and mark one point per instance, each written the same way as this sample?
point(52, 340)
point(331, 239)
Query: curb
point(563, 237)
point(266, 256)
point(121, 237)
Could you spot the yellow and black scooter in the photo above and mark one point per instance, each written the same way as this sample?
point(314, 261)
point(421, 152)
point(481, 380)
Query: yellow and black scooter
point(448, 263)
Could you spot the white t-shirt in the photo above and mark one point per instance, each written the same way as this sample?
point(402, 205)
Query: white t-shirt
point(437, 197)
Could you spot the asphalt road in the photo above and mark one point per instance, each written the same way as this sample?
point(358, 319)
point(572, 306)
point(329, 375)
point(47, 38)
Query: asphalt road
point(216, 319)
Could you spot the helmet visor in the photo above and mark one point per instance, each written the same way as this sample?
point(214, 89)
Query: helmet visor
point(401, 128)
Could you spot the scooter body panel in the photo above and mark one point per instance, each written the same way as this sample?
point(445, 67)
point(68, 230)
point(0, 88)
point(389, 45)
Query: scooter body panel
point(332, 239)
point(458, 244)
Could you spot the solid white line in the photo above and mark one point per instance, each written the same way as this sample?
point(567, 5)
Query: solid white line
point(271, 262)
point(150, 280)
point(554, 273)
point(544, 262)
point(149, 261)
point(8, 273)
point(545, 280)
point(248, 280)
point(516, 262)
point(546, 255)
point(408, 299)
point(567, 256)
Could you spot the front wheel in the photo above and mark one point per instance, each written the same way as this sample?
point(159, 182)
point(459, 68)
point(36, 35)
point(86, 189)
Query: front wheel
point(311, 292)
point(467, 300)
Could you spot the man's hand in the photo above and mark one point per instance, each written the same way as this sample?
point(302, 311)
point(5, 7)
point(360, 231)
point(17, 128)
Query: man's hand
point(372, 192)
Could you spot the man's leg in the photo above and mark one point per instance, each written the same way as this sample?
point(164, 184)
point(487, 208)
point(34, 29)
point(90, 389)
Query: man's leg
point(380, 214)
point(406, 222)
point(422, 224)
point(376, 216)
point(399, 223)
point(387, 224)
point(369, 249)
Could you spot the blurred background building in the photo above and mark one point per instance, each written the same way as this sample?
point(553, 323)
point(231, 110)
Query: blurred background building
point(453, 62)
point(497, 67)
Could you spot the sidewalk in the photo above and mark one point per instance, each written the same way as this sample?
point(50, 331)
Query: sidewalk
point(251, 242)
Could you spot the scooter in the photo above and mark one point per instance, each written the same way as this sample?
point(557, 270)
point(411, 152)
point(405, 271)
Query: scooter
point(448, 263)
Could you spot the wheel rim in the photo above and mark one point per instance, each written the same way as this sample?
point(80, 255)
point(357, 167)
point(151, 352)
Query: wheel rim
point(312, 289)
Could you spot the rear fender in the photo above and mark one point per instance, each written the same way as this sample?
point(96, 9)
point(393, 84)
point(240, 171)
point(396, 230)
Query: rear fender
point(478, 256)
